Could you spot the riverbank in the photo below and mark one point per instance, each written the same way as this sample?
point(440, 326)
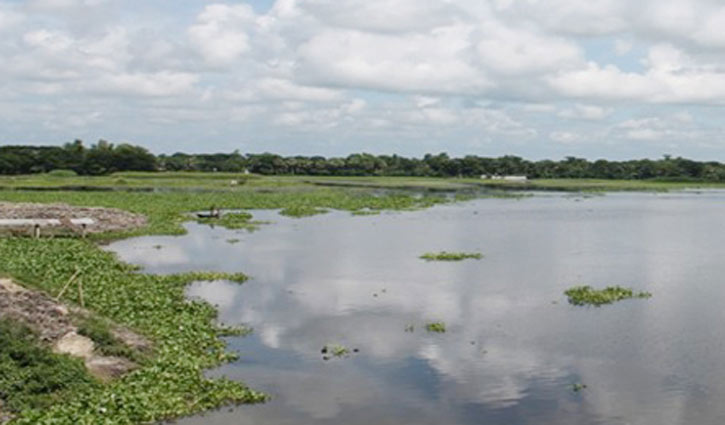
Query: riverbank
point(237, 182)
point(186, 340)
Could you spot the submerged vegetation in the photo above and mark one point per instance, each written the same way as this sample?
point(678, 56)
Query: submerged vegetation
point(451, 256)
point(586, 295)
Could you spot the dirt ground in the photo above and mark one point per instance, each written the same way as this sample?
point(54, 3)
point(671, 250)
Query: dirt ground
point(106, 219)
point(54, 323)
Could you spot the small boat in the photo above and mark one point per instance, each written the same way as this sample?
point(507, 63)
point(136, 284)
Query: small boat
point(213, 213)
point(207, 215)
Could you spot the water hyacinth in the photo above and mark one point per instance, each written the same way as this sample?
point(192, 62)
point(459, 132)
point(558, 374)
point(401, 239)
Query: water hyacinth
point(586, 295)
point(451, 256)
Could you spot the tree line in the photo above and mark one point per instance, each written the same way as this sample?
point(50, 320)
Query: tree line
point(104, 158)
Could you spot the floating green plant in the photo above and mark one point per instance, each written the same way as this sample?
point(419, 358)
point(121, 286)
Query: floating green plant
point(438, 327)
point(451, 256)
point(298, 211)
point(578, 387)
point(586, 295)
point(334, 350)
point(365, 212)
point(240, 220)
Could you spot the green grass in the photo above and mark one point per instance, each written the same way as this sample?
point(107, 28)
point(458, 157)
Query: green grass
point(436, 327)
point(586, 295)
point(450, 256)
point(32, 377)
point(223, 182)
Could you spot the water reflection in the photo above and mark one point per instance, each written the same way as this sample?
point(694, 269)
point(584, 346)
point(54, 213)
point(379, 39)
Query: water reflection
point(513, 347)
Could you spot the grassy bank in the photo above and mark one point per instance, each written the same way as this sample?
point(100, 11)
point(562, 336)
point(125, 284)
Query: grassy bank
point(594, 185)
point(234, 182)
point(167, 210)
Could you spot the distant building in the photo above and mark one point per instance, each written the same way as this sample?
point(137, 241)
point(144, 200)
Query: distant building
point(520, 179)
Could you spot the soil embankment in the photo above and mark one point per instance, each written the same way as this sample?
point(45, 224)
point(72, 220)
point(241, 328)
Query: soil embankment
point(104, 219)
point(57, 326)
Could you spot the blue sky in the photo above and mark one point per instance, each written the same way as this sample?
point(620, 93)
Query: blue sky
point(540, 79)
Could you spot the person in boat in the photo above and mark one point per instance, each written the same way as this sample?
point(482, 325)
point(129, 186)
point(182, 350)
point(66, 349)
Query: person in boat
point(213, 213)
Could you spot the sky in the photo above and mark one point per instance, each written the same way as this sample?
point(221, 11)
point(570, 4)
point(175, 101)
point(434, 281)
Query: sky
point(611, 79)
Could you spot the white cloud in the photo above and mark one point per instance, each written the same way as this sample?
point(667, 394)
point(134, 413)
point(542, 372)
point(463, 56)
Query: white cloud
point(403, 16)
point(273, 88)
point(672, 77)
point(220, 32)
point(435, 70)
point(586, 112)
point(509, 50)
point(154, 84)
point(434, 62)
point(564, 137)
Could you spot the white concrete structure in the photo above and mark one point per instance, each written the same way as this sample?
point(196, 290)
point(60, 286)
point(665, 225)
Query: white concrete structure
point(519, 179)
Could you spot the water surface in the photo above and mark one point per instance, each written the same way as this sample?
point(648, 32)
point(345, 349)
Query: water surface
point(513, 348)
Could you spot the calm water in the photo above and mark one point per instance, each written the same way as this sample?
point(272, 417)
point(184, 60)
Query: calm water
point(514, 347)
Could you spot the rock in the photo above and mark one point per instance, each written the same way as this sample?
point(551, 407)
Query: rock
point(9, 286)
point(131, 339)
point(107, 368)
point(75, 345)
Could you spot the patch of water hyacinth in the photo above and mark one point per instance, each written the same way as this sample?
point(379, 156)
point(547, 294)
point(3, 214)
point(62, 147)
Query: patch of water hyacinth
point(586, 295)
point(451, 256)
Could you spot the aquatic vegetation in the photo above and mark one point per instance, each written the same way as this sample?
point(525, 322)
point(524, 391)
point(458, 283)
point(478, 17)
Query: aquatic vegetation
point(450, 256)
point(586, 295)
point(334, 350)
point(170, 383)
point(365, 212)
point(233, 241)
point(578, 387)
point(166, 211)
point(302, 211)
point(438, 327)
point(234, 221)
